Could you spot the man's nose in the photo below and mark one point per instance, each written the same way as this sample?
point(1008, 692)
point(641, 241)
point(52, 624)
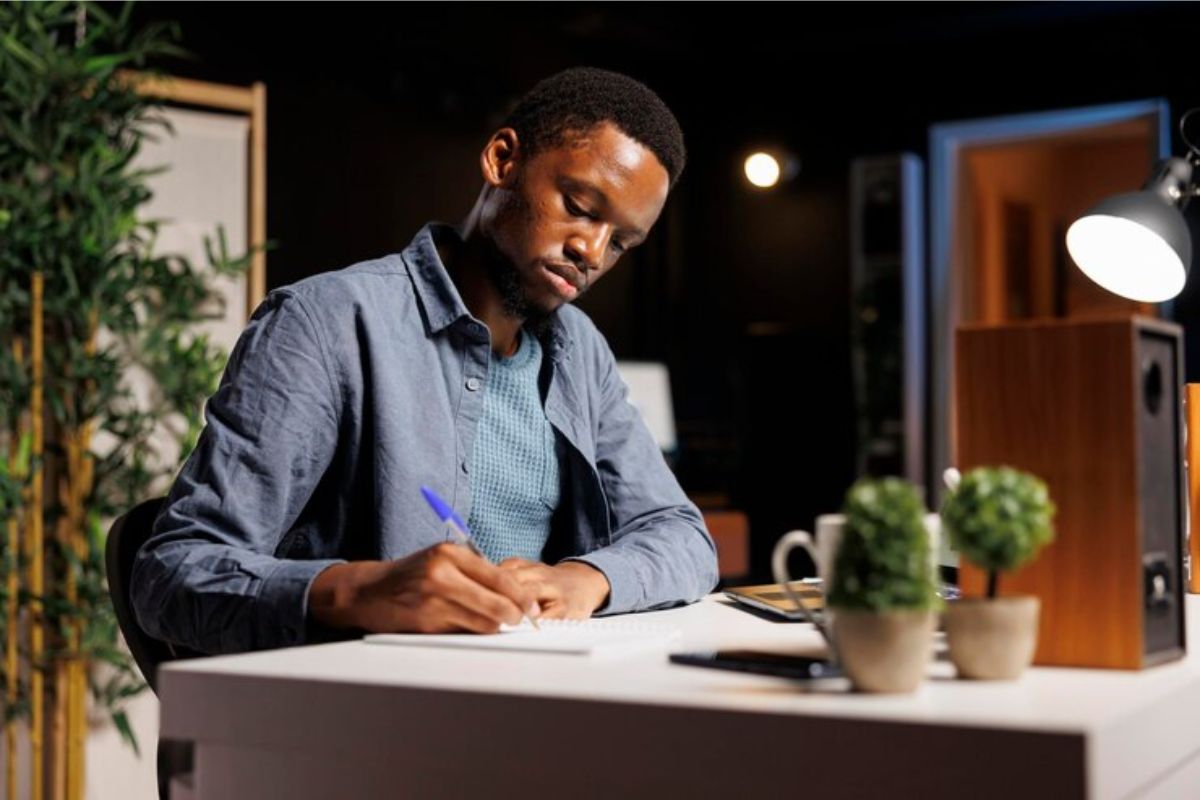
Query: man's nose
point(586, 249)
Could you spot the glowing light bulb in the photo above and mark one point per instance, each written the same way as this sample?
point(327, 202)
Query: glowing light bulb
point(1126, 258)
point(762, 170)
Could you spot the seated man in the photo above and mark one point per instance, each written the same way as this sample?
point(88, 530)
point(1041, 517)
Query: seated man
point(458, 365)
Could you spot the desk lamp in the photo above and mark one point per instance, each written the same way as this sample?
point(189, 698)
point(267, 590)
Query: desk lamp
point(1137, 244)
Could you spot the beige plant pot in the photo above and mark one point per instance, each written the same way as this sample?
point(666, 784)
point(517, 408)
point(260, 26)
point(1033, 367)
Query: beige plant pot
point(992, 639)
point(884, 651)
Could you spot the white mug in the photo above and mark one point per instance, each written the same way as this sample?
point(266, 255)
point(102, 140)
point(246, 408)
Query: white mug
point(823, 551)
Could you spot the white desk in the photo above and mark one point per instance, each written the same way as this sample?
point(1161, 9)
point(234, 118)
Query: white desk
point(358, 720)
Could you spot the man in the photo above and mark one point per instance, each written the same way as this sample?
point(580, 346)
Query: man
point(456, 364)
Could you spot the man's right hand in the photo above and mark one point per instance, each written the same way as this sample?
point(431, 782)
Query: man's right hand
point(442, 588)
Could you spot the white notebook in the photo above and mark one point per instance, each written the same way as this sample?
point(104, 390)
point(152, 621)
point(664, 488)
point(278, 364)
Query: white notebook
point(580, 637)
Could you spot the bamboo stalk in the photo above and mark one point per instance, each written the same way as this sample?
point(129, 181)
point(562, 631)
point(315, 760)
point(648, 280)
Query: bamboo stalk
point(36, 542)
point(60, 721)
point(12, 585)
point(80, 477)
point(58, 735)
point(60, 724)
point(75, 487)
point(70, 760)
point(78, 729)
point(10, 653)
point(70, 749)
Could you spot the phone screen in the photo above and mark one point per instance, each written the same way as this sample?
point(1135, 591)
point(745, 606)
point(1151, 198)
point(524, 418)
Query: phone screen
point(779, 664)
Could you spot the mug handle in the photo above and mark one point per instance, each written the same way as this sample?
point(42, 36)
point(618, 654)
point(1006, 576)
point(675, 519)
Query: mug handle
point(785, 545)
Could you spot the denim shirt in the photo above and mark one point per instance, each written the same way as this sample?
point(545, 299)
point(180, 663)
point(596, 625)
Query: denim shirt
point(346, 393)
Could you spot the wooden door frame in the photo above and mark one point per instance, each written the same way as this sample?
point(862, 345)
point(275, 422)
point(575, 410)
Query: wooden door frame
point(251, 101)
point(947, 141)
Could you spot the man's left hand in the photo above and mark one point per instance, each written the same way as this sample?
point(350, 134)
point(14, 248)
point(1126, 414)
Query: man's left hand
point(570, 590)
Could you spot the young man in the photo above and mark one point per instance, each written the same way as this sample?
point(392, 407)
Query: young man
point(456, 364)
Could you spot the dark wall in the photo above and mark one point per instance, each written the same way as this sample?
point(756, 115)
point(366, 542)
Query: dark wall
point(377, 113)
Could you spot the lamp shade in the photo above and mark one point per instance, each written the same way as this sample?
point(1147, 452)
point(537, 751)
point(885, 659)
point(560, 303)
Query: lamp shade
point(1135, 245)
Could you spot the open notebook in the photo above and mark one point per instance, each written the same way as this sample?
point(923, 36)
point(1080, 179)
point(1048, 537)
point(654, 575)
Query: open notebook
point(581, 637)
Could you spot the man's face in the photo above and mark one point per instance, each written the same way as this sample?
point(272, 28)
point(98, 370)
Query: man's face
point(560, 220)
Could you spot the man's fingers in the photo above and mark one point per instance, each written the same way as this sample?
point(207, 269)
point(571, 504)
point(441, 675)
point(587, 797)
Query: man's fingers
point(514, 562)
point(500, 581)
point(443, 615)
point(468, 579)
point(460, 618)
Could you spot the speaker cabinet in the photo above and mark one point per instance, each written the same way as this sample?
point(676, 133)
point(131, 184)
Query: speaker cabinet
point(887, 263)
point(1093, 408)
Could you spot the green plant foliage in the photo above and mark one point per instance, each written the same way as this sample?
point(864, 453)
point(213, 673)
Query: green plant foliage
point(883, 560)
point(998, 518)
point(71, 207)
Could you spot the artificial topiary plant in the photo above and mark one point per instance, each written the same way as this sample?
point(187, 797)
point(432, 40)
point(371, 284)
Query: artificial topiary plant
point(998, 518)
point(883, 561)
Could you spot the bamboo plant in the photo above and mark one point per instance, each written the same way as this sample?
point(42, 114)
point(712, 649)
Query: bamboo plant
point(84, 299)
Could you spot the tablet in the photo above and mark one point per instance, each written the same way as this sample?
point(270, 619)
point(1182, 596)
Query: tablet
point(771, 598)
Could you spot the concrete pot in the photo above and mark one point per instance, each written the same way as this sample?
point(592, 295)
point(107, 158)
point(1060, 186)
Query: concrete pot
point(884, 651)
point(992, 639)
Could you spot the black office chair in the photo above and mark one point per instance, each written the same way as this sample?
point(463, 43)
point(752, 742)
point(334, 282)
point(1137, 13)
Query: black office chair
point(125, 538)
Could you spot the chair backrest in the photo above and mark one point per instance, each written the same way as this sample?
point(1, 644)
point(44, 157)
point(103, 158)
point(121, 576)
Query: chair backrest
point(126, 536)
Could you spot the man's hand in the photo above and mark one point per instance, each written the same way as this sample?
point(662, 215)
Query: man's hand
point(442, 588)
point(570, 590)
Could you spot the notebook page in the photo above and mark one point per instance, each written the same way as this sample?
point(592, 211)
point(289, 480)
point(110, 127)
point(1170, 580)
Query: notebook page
point(579, 637)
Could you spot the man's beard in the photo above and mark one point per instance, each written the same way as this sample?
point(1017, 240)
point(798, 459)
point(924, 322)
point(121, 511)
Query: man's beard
point(505, 277)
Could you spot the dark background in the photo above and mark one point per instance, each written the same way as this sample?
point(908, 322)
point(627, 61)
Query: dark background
point(377, 113)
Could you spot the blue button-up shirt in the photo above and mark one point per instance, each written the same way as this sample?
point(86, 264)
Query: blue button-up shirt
point(346, 393)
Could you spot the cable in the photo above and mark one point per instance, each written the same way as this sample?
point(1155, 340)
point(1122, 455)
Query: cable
point(1193, 150)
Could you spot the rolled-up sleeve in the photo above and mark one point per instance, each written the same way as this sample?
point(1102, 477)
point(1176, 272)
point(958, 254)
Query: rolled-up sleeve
point(660, 553)
point(209, 577)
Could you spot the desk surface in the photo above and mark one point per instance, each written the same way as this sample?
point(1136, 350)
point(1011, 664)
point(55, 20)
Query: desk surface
point(1128, 731)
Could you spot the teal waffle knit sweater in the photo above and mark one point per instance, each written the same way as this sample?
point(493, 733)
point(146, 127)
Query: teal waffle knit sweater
point(514, 467)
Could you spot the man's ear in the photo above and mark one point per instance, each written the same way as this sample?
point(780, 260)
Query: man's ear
point(499, 159)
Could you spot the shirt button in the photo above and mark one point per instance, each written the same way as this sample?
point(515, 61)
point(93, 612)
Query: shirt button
point(473, 384)
point(464, 467)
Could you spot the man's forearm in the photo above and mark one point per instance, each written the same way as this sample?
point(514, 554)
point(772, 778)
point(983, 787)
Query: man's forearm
point(662, 563)
point(214, 598)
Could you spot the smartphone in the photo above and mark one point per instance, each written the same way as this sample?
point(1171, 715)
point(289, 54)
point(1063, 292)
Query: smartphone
point(779, 664)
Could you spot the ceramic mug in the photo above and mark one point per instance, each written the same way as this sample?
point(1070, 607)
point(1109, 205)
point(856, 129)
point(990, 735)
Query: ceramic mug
point(823, 550)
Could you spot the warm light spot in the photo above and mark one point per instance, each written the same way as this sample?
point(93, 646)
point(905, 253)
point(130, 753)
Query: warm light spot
point(762, 170)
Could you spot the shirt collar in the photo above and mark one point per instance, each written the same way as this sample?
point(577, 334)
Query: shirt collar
point(436, 291)
point(439, 297)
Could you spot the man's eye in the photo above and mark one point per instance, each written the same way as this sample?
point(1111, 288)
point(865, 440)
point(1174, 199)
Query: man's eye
point(574, 209)
point(615, 245)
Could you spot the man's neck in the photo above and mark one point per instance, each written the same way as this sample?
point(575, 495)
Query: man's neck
point(466, 262)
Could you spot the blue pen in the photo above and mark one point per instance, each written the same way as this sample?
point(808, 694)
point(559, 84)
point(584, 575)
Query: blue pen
point(456, 526)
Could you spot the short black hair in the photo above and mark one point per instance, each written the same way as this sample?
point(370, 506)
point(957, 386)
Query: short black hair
point(580, 98)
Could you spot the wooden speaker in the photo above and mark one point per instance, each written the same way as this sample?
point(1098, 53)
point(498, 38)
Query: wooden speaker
point(1093, 408)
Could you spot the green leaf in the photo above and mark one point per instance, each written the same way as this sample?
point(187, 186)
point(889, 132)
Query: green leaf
point(121, 720)
point(19, 51)
point(105, 63)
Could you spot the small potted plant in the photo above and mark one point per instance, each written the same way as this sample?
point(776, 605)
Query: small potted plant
point(882, 595)
point(998, 518)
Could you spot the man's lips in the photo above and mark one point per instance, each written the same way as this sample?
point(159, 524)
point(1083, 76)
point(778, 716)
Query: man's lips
point(569, 274)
